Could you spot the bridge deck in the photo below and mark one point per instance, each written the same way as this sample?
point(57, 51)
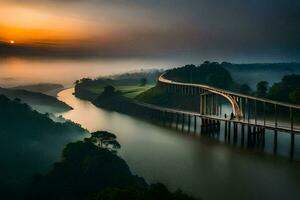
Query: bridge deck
point(259, 123)
point(164, 80)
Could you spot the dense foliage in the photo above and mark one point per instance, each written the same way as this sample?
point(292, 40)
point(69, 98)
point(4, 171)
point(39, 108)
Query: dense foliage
point(85, 168)
point(29, 143)
point(41, 102)
point(212, 74)
point(90, 171)
point(153, 192)
point(158, 96)
point(286, 90)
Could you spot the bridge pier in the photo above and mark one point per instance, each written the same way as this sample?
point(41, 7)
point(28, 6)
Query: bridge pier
point(235, 134)
point(195, 123)
point(177, 120)
point(182, 127)
point(292, 145)
point(252, 109)
point(243, 134)
point(229, 131)
point(202, 131)
point(254, 133)
point(189, 123)
point(225, 134)
point(263, 137)
point(292, 134)
point(249, 134)
point(275, 141)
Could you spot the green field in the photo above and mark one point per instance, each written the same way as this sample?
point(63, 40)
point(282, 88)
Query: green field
point(130, 91)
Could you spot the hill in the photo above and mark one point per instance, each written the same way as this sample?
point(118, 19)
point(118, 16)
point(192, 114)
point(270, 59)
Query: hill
point(38, 101)
point(45, 88)
point(212, 74)
point(30, 142)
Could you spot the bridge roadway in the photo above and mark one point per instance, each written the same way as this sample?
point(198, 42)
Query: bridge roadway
point(283, 127)
point(211, 112)
point(233, 98)
point(225, 93)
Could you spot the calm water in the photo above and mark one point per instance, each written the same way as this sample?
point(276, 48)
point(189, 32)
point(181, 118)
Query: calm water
point(198, 165)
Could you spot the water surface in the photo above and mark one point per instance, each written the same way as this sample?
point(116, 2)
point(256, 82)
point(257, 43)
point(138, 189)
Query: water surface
point(198, 165)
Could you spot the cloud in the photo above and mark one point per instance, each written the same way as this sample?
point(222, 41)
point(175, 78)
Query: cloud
point(267, 28)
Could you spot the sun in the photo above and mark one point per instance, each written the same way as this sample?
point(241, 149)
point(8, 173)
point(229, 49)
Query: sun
point(11, 41)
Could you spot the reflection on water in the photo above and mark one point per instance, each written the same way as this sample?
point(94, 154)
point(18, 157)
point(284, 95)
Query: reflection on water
point(198, 165)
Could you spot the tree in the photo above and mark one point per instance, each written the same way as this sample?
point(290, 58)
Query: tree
point(83, 170)
point(109, 90)
point(144, 81)
point(262, 88)
point(245, 89)
point(294, 96)
point(104, 139)
point(286, 89)
point(155, 191)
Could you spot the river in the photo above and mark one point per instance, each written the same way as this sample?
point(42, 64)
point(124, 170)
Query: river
point(197, 165)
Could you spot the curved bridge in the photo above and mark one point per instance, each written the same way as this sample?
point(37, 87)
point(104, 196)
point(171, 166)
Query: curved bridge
point(247, 111)
point(232, 100)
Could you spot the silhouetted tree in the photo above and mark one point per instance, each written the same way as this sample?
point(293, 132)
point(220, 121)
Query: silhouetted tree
point(245, 89)
point(109, 89)
point(104, 139)
point(294, 96)
point(155, 191)
point(83, 170)
point(287, 89)
point(262, 88)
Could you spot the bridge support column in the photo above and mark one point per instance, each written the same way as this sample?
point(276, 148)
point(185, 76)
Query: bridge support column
point(255, 111)
point(248, 110)
point(275, 141)
point(275, 132)
point(225, 134)
point(258, 136)
point(201, 104)
point(177, 120)
point(235, 134)
point(264, 110)
point(195, 123)
point(229, 130)
point(244, 108)
point(249, 140)
point(292, 135)
point(189, 123)
point(263, 137)
point(243, 134)
point(254, 133)
point(182, 128)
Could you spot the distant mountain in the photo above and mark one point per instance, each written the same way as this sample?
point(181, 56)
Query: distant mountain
point(251, 74)
point(287, 67)
point(46, 88)
point(38, 101)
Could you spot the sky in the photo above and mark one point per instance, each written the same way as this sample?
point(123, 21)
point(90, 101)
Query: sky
point(255, 29)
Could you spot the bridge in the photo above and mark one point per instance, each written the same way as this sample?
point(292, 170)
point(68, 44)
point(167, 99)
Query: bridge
point(248, 112)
